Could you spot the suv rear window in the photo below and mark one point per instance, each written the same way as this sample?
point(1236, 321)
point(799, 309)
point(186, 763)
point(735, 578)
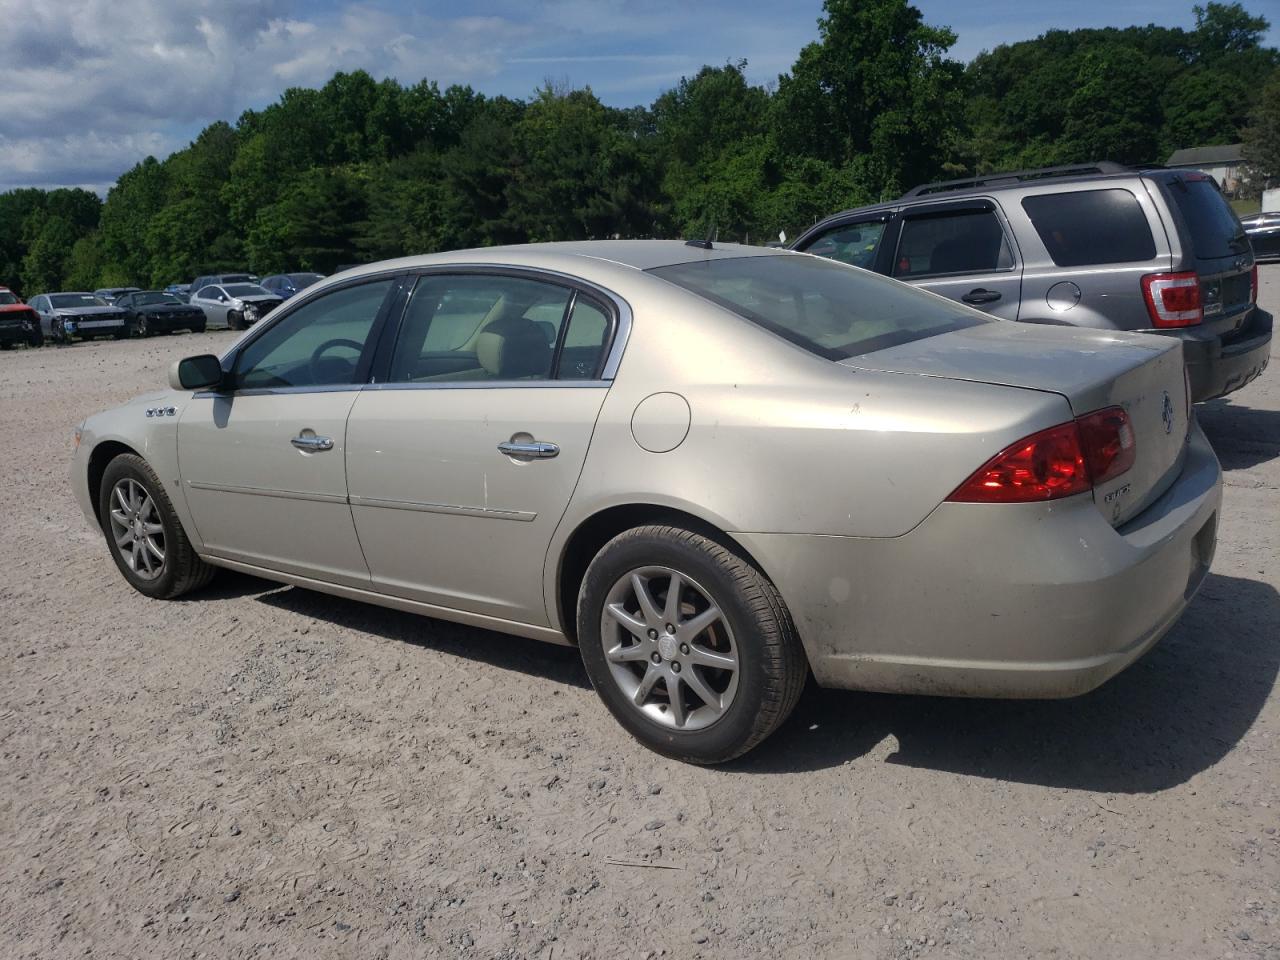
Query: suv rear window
point(1215, 232)
point(1087, 227)
point(827, 308)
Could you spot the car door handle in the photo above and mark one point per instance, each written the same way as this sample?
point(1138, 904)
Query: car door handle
point(981, 296)
point(530, 450)
point(312, 443)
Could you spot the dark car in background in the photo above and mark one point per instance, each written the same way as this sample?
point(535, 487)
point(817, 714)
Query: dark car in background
point(180, 290)
point(110, 295)
point(234, 305)
point(18, 322)
point(1263, 231)
point(285, 285)
point(154, 311)
point(65, 316)
point(1100, 246)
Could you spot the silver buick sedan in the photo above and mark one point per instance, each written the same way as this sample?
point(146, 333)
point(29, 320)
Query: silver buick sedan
point(713, 470)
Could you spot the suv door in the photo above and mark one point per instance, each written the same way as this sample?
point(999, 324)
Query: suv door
point(963, 251)
point(262, 461)
point(463, 454)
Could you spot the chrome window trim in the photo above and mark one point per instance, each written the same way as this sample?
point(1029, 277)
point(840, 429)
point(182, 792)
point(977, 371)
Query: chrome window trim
point(491, 385)
point(278, 391)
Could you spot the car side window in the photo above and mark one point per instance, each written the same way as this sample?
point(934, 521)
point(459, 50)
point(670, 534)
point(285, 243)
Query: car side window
point(851, 243)
point(960, 241)
point(1088, 227)
point(585, 340)
point(319, 344)
point(478, 327)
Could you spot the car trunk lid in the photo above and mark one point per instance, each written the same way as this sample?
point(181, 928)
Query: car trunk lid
point(1142, 373)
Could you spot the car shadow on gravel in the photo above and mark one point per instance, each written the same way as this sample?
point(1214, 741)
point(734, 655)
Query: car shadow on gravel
point(545, 661)
point(1173, 714)
point(1242, 436)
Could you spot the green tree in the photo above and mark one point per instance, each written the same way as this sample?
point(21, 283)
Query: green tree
point(1262, 140)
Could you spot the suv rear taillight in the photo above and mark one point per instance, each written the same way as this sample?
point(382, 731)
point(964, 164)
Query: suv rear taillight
point(1173, 299)
point(1059, 462)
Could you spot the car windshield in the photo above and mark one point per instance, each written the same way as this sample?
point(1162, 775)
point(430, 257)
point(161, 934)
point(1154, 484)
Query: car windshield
point(825, 307)
point(301, 281)
point(145, 299)
point(246, 290)
point(6, 297)
point(76, 300)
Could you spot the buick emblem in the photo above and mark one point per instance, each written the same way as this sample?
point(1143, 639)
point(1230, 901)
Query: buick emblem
point(1166, 414)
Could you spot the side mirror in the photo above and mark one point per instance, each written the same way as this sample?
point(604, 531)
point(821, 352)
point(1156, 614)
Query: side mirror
point(195, 373)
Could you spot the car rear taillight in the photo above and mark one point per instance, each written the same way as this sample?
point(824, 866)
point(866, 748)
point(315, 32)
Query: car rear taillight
point(1173, 299)
point(1059, 462)
point(1109, 448)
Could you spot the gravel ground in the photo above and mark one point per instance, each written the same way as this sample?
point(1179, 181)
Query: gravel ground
point(262, 771)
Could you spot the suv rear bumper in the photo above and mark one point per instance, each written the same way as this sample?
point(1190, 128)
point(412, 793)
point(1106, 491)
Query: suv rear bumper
point(1220, 365)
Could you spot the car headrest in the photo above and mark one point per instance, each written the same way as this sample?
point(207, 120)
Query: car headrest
point(512, 348)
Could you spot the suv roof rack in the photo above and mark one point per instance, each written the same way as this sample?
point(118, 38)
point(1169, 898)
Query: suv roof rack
point(1019, 176)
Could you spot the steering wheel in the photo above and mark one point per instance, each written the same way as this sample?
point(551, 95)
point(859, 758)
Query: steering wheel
point(317, 355)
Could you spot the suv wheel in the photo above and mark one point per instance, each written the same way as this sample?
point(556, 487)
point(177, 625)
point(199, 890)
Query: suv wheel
point(688, 645)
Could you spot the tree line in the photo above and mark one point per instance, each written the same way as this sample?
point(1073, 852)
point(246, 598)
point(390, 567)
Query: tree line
point(361, 170)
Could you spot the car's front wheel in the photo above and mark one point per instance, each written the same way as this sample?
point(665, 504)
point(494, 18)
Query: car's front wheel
point(143, 533)
point(689, 645)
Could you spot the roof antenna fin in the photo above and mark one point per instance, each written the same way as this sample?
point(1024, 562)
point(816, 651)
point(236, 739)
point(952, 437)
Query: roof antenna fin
point(704, 244)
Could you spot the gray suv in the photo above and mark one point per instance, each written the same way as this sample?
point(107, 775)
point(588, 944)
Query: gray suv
point(1100, 245)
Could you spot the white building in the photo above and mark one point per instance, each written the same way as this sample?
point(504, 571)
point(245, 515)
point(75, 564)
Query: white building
point(1222, 163)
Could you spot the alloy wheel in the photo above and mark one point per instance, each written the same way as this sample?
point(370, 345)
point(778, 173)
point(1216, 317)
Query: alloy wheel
point(669, 648)
point(136, 528)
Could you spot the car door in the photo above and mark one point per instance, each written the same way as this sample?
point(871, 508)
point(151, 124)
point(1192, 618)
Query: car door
point(961, 250)
point(262, 461)
point(462, 457)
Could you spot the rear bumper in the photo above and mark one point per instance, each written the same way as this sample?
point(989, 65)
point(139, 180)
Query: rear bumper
point(999, 600)
point(1218, 366)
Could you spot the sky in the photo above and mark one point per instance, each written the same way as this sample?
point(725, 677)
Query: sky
point(90, 87)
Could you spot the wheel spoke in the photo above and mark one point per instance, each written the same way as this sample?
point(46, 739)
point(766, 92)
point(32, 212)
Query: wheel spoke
point(635, 627)
point(124, 503)
point(699, 622)
point(646, 684)
point(621, 654)
point(709, 658)
point(120, 517)
point(677, 701)
point(647, 607)
point(124, 537)
point(671, 613)
point(151, 529)
point(153, 549)
point(135, 555)
point(705, 693)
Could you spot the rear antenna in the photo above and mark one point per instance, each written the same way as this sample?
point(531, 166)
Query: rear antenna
point(703, 244)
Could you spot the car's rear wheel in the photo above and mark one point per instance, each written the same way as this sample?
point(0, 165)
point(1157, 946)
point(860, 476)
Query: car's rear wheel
point(143, 533)
point(235, 320)
point(688, 644)
point(144, 327)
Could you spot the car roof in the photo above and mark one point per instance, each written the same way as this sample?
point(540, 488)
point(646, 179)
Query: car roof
point(570, 255)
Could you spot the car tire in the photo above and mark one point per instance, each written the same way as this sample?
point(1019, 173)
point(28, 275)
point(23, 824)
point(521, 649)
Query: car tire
point(36, 339)
point(636, 658)
point(143, 328)
point(235, 320)
point(6, 344)
point(144, 534)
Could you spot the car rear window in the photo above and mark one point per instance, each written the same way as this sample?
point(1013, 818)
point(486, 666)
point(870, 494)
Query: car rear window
point(1087, 227)
point(830, 309)
point(1215, 232)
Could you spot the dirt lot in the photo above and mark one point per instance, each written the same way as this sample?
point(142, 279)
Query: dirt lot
point(264, 772)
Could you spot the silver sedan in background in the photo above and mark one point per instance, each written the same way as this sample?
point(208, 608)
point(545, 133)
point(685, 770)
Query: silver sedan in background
point(234, 305)
point(716, 471)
